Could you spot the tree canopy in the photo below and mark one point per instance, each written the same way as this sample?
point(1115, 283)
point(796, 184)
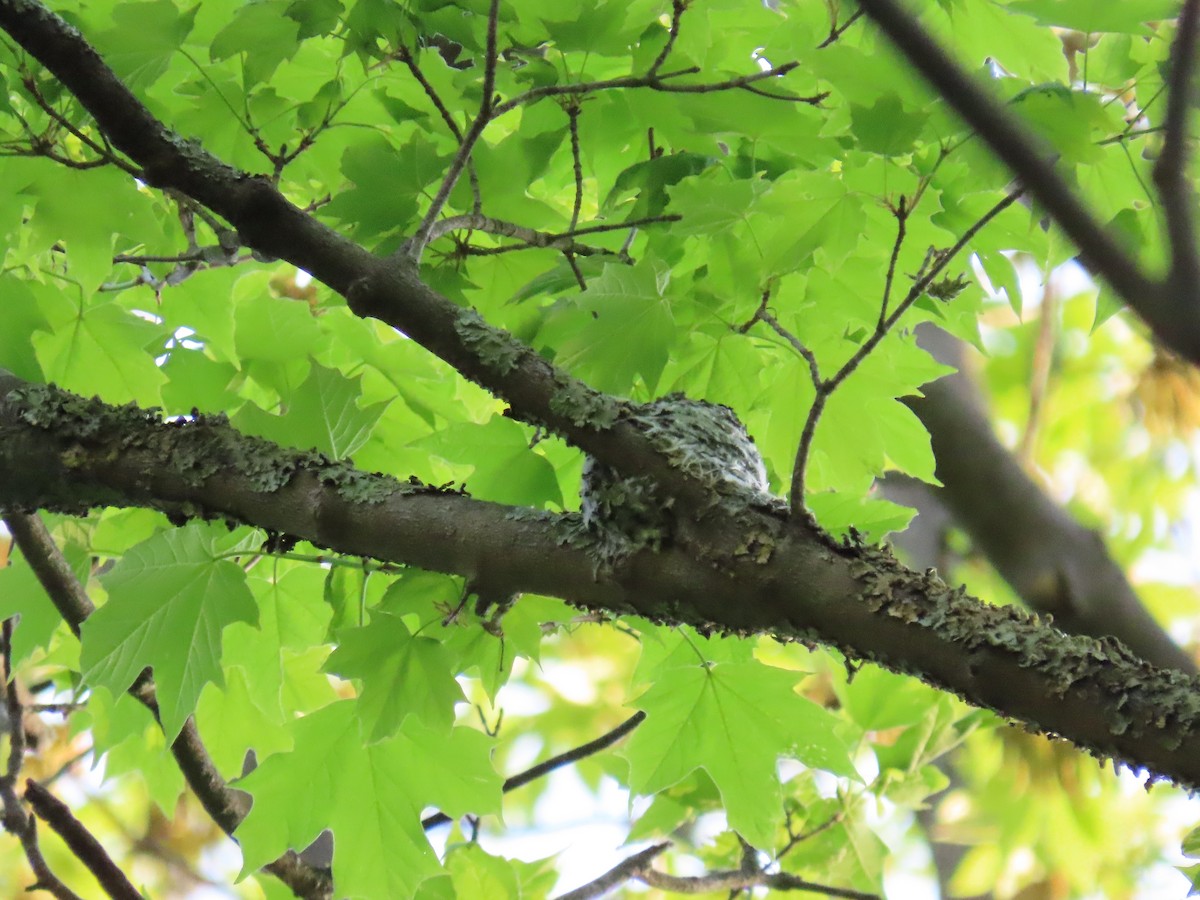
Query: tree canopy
point(316, 313)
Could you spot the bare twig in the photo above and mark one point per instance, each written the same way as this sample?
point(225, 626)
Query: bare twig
point(102, 150)
point(935, 264)
point(555, 762)
point(406, 57)
point(661, 82)
point(638, 868)
point(836, 30)
point(573, 107)
point(678, 7)
point(617, 875)
point(901, 213)
point(1170, 177)
point(736, 880)
point(17, 821)
point(563, 240)
point(80, 841)
point(485, 115)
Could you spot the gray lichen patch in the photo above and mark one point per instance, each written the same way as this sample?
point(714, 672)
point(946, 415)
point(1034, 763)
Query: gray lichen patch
point(495, 348)
point(191, 450)
point(584, 407)
point(1142, 700)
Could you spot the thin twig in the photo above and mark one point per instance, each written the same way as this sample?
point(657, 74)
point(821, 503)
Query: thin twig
point(486, 113)
point(836, 31)
point(678, 7)
point(107, 156)
point(795, 839)
point(577, 170)
point(736, 880)
point(656, 83)
point(17, 821)
point(617, 875)
point(406, 57)
point(901, 214)
point(80, 842)
point(763, 314)
point(555, 762)
point(935, 265)
point(1010, 140)
point(1174, 188)
point(563, 240)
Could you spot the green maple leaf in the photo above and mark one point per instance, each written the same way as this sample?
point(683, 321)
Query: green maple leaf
point(322, 413)
point(734, 720)
point(169, 599)
point(619, 330)
point(370, 796)
point(401, 675)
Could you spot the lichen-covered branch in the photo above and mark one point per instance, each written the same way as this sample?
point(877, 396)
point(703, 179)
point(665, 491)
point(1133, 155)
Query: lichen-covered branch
point(747, 570)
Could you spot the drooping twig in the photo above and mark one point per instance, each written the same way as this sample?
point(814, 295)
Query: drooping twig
point(577, 170)
point(226, 806)
point(80, 841)
point(555, 762)
point(1170, 170)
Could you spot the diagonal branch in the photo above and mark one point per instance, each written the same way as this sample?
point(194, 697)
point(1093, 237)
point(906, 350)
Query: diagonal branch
point(555, 762)
point(80, 841)
point(59, 451)
point(935, 264)
point(622, 872)
point(1171, 310)
point(226, 806)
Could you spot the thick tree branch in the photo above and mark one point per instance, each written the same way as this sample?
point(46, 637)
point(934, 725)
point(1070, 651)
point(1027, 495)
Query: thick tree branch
point(1170, 170)
point(62, 452)
point(1172, 310)
point(1054, 564)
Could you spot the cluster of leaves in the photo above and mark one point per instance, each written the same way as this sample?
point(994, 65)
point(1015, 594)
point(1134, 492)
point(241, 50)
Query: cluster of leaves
point(740, 244)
